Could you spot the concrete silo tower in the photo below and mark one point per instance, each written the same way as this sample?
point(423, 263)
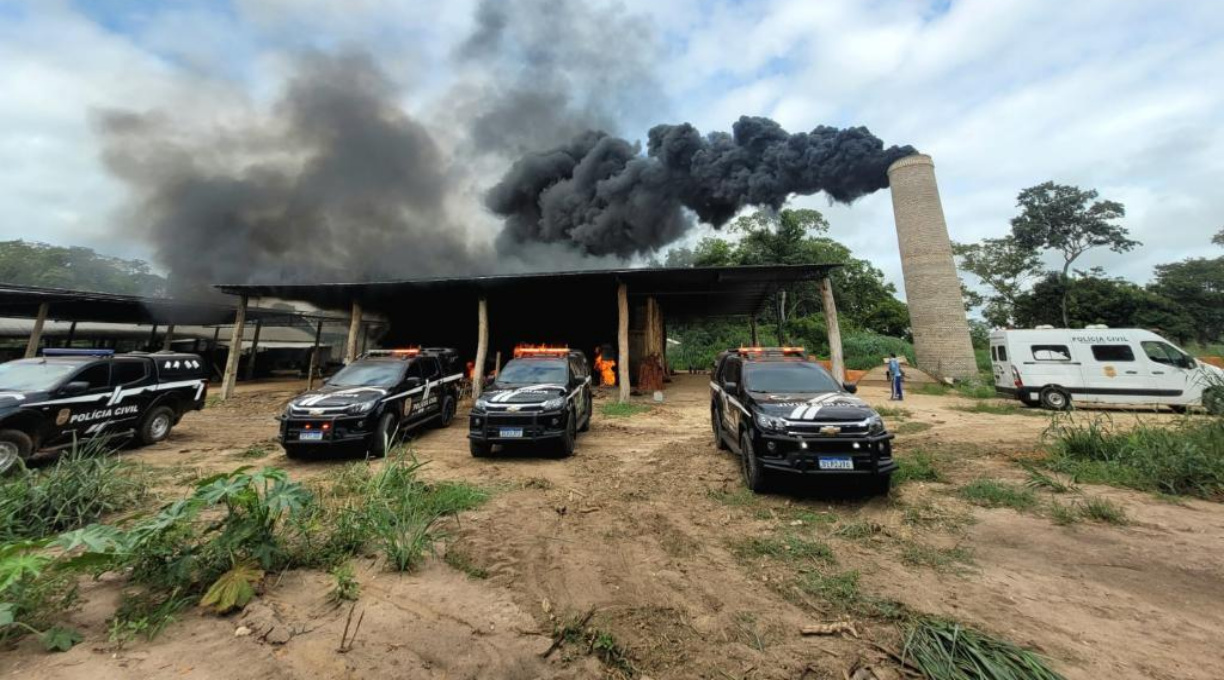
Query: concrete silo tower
point(932, 288)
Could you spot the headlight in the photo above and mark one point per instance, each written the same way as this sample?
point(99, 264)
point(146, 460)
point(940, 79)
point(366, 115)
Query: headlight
point(771, 423)
point(875, 425)
point(553, 404)
point(358, 409)
point(482, 404)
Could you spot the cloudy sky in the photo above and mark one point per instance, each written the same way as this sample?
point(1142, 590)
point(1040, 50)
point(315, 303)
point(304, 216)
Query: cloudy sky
point(1123, 96)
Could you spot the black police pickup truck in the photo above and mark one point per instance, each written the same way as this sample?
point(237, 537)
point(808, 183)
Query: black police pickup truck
point(543, 394)
point(781, 412)
point(70, 395)
point(369, 403)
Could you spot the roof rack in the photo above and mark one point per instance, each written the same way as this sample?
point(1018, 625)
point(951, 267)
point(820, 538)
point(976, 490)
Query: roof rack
point(82, 352)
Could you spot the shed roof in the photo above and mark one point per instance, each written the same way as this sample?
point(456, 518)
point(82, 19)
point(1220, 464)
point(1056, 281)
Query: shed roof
point(686, 291)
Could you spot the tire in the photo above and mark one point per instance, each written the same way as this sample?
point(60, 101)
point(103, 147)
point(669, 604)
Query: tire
point(479, 449)
point(1179, 409)
point(880, 485)
point(384, 435)
point(156, 425)
point(1213, 400)
point(1055, 399)
point(716, 425)
point(570, 439)
point(295, 452)
point(448, 412)
point(750, 466)
point(15, 447)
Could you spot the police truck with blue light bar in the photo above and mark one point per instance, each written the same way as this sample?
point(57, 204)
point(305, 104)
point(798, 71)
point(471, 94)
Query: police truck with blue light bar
point(369, 404)
point(785, 414)
point(68, 396)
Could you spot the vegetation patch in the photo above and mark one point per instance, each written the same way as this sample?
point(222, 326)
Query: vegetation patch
point(615, 409)
point(459, 559)
point(894, 412)
point(254, 451)
point(858, 530)
point(998, 408)
point(577, 633)
point(1186, 458)
point(911, 427)
point(950, 651)
point(917, 466)
point(992, 493)
point(940, 559)
point(788, 548)
point(738, 498)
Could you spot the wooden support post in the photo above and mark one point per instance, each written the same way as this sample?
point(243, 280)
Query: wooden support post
point(169, 338)
point(482, 346)
point(365, 338)
point(314, 356)
point(152, 338)
point(36, 332)
point(235, 350)
point(71, 334)
point(350, 348)
point(250, 372)
point(497, 364)
point(752, 325)
point(622, 340)
point(835, 340)
point(212, 350)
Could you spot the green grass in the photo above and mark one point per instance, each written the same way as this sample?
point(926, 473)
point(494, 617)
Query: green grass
point(918, 466)
point(81, 487)
point(917, 554)
point(857, 530)
point(1103, 510)
point(999, 408)
point(840, 589)
point(928, 515)
point(979, 387)
point(346, 587)
point(945, 650)
point(911, 427)
point(788, 548)
point(894, 412)
point(614, 409)
point(458, 559)
point(1064, 514)
point(1185, 458)
point(992, 493)
point(1041, 480)
point(254, 451)
point(738, 498)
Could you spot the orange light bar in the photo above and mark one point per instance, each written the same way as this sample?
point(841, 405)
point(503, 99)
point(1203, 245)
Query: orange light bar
point(539, 351)
point(406, 352)
point(762, 350)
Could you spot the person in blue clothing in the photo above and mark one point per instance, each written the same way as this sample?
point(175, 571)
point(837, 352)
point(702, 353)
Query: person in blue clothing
point(895, 375)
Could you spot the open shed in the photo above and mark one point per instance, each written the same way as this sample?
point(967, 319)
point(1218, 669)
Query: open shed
point(487, 316)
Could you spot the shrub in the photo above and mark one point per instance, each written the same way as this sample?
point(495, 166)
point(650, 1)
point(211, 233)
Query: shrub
point(1186, 458)
point(865, 350)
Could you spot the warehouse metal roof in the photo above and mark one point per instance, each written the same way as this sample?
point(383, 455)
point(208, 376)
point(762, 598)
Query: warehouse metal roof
point(78, 305)
point(686, 292)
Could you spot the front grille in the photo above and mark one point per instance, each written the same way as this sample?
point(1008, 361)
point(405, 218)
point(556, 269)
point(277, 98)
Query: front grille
point(813, 429)
point(510, 419)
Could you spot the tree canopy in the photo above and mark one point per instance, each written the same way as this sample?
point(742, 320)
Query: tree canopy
point(1006, 267)
point(39, 264)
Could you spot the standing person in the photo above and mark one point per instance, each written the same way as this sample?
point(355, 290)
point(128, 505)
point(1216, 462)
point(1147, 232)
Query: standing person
point(894, 377)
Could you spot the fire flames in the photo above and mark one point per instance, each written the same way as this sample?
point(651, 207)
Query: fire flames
point(606, 368)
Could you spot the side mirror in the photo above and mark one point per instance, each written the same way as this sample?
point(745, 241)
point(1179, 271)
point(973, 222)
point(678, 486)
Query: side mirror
point(852, 388)
point(1188, 362)
point(731, 386)
point(76, 387)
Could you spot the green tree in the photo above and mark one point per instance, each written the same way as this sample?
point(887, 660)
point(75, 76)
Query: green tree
point(1197, 286)
point(1218, 239)
point(39, 264)
point(1006, 267)
point(1071, 221)
point(1096, 299)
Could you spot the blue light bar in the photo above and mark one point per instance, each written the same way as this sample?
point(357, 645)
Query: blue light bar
point(66, 352)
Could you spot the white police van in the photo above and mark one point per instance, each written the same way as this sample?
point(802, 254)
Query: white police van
point(1052, 367)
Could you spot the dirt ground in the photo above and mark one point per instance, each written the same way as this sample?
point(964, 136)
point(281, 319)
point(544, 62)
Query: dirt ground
point(641, 527)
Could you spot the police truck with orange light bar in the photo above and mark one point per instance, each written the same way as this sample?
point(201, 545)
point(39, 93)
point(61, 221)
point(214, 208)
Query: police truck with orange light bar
point(368, 404)
point(542, 395)
point(783, 413)
point(73, 395)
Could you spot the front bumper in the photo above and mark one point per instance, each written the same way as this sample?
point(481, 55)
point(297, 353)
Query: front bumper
point(341, 430)
point(869, 454)
point(487, 426)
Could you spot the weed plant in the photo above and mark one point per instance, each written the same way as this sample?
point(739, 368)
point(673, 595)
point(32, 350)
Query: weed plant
point(950, 651)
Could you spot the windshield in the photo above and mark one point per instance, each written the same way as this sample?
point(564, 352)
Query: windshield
point(369, 374)
point(533, 372)
point(788, 377)
point(31, 376)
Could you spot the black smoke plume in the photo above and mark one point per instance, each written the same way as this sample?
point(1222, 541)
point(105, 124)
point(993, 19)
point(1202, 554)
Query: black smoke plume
point(600, 195)
point(335, 183)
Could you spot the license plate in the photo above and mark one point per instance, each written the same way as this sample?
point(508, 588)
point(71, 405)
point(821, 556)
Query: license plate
point(511, 432)
point(310, 436)
point(835, 463)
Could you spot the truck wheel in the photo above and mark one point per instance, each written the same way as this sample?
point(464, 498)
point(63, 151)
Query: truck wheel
point(156, 425)
point(448, 412)
point(1213, 400)
point(1055, 399)
point(717, 426)
point(569, 439)
point(750, 466)
point(479, 449)
point(384, 435)
point(15, 446)
point(880, 485)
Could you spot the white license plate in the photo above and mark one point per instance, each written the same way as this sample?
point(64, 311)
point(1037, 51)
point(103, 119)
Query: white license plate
point(835, 463)
point(511, 432)
point(310, 436)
